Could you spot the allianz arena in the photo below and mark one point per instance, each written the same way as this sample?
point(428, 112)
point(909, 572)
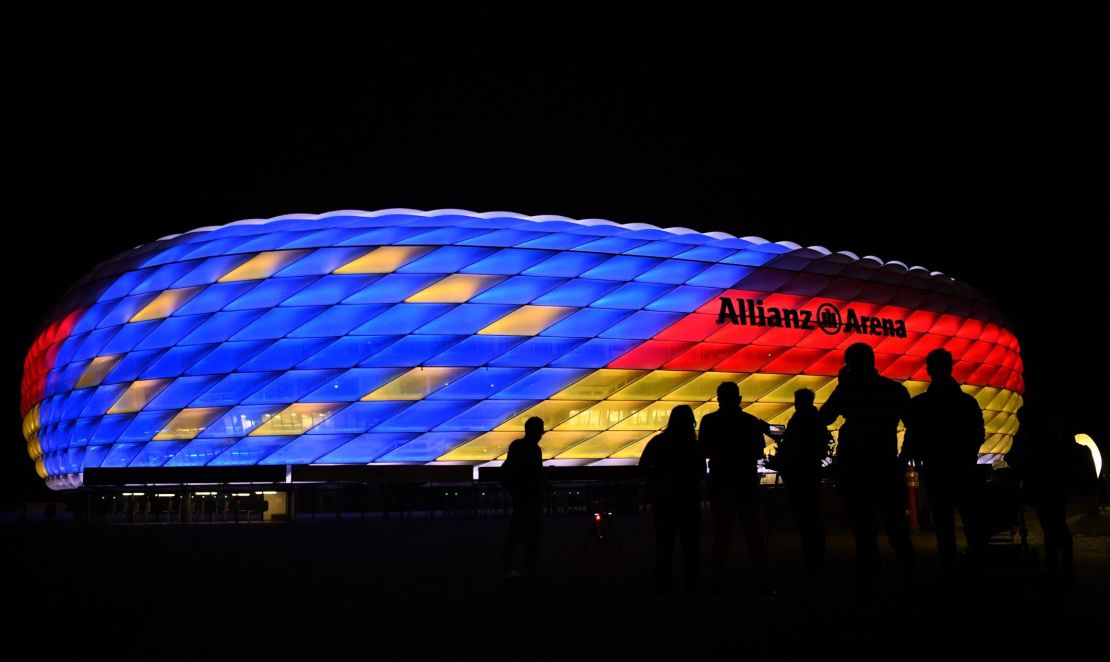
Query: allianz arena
point(409, 337)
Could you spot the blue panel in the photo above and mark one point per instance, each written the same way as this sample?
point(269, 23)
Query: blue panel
point(211, 270)
point(673, 272)
point(249, 450)
point(586, 323)
point(306, 448)
point(121, 455)
point(558, 241)
point(508, 262)
point(632, 296)
point(467, 318)
point(171, 331)
point(358, 417)
point(94, 456)
point(69, 347)
point(163, 277)
point(221, 326)
point(234, 388)
point(83, 431)
point(269, 241)
point(445, 235)
point(643, 325)
point(365, 448)
point(123, 311)
point(684, 299)
point(424, 415)
point(621, 267)
point(662, 248)
point(239, 421)
point(476, 350)
point(596, 353)
point(338, 320)
point(278, 322)
point(446, 260)
point(75, 402)
point(578, 292)
point(227, 357)
point(146, 425)
point(330, 290)
point(132, 366)
point(181, 392)
point(92, 317)
point(536, 352)
point(480, 384)
point(270, 293)
point(542, 384)
point(518, 289)
point(707, 253)
point(324, 237)
point(284, 354)
point(200, 452)
point(290, 386)
point(566, 265)
point(323, 261)
point(720, 275)
point(485, 415)
point(124, 284)
point(156, 453)
point(347, 352)
point(176, 361)
point(393, 288)
point(74, 460)
point(220, 246)
point(93, 343)
point(427, 447)
point(215, 297)
point(66, 379)
point(611, 245)
point(750, 258)
point(503, 238)
point(411, 351)
point(403, 318)
point(110, 428)
point(352, 385)
point(103, 399)
point(381, 236)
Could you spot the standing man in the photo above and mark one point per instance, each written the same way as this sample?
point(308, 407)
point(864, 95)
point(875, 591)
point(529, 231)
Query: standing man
point(943, 434)
point(733, 441)
point(869, 473)
point(522, 475)
point(804, 448)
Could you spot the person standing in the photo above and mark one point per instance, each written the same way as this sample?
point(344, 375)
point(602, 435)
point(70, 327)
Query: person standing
point(804, 447)
point(522, 476)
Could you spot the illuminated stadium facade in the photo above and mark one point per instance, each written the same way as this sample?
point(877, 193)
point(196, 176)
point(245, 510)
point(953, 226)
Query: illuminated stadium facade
point(399, 336)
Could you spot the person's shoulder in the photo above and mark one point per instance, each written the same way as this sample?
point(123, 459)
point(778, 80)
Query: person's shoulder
point(894, 387)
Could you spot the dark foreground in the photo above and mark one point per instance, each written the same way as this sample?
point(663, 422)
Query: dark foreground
point(422, 588)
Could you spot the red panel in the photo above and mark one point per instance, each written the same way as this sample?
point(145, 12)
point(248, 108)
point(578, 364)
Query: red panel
point(903, 367)
point(884, 361)
point(849, 339)
point(894, 345)
point(780, 300)
point(713, 306)
point(972, 328)
point(702, 356)
point(958, 347)
point(921, 375)
point(691, 328)
point(829, 364)
point(982, 376)
point(990, 333)
point(921, 321)
point(963, 370)
point(1011, 359)
point(650, 355)
point(737, 334)
point(821, 340)
point(947, 325)
point(794, 361)
point(978, 352)
point(926, 344)
point(784, 337)
point(997, 355)
point(751, 358)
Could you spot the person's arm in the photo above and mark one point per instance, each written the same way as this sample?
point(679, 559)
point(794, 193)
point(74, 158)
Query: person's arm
point(831, 410)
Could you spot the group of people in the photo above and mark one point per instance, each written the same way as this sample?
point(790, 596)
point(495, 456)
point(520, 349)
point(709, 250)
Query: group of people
point(944, 431)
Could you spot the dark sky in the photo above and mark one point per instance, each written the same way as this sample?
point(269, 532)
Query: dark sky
point(974, 144)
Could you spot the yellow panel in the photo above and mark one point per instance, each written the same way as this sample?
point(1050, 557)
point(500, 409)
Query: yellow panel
point(655, 385)
point(166, 303)
point(704, 386)
point(262, 265)
point(553, 412)
point(915, 388)
point(603, 445)
point(527, 320)
point(486, 447)
point(822, 395)
point(31, 422)
point(998, 402)
point(416, 384)
point(138, 394)
point(901, 438)
point(986, 396)
point(40, 467)
point(189, 423)
point(782, 418)
point(98, 369)
point(991, 421)
point(703, 410)
point(599, 385)
point(633, 451)
point(456, 288)
point(756, 386)
point(766, 410)
point(785, 393)
point(298, 418)
point(603, 415)
point(383, 260)
point(996, 443)
point(34, 448)
point(652, 417)
point(1015, 402)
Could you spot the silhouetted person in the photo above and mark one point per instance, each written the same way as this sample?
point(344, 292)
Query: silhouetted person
point(1040, 455)
point(944, 431)
point(804, 447)
point(522, 475)
point(733, 441)
point(674, 468)
point(869, 474)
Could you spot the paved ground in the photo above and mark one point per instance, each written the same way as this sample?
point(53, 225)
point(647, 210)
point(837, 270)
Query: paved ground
point(421, 588)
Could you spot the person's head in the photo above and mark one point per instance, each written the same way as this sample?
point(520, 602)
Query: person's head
point(939, 364)
point(803, 397)
point(728, 395)
point(681, 420)
point(533, 428)
point(859, 358)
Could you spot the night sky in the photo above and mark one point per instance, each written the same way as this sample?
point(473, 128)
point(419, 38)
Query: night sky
point(969, 144)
